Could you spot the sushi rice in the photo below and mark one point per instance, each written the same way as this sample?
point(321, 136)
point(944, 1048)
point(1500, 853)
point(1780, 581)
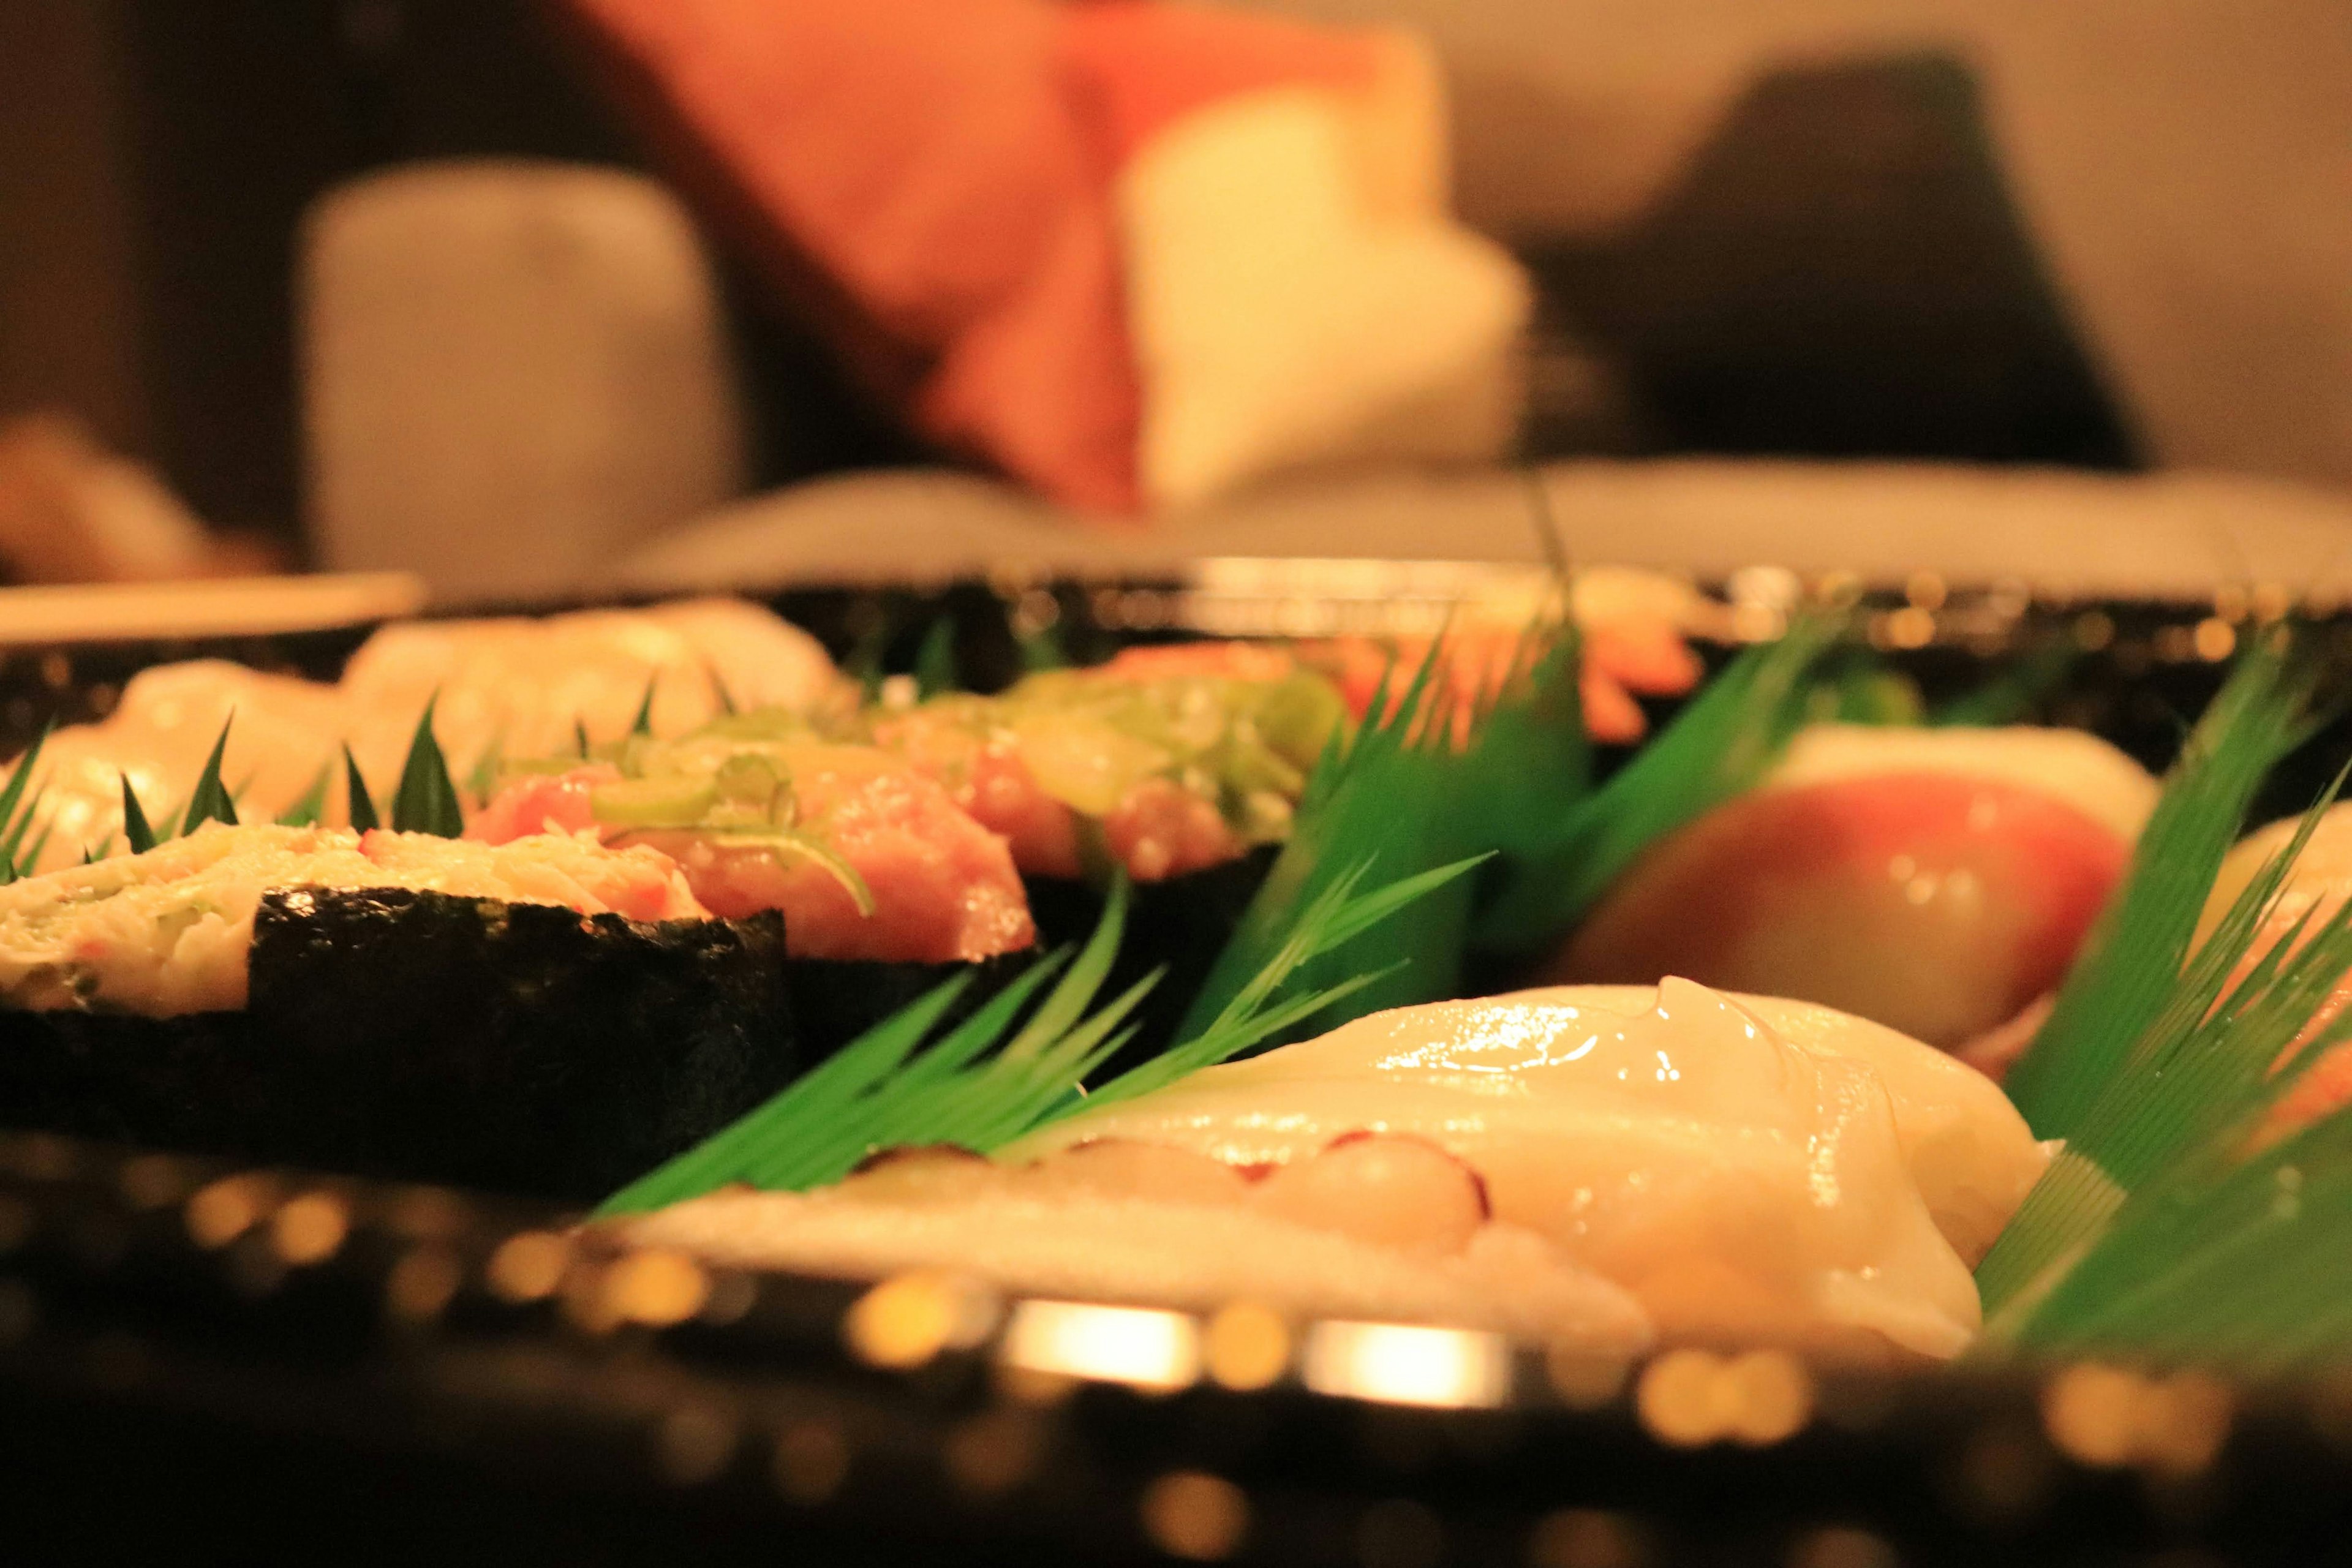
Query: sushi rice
point(169, 931)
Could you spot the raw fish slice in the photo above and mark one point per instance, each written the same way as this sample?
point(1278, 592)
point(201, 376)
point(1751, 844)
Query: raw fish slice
point(1582, 1165)
point(160, 732)
point(1938, 880)
point(2317, 885)
point(522, 684)
point(1746, 1168)
point(943, 888)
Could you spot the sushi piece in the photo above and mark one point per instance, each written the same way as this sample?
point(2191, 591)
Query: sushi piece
point(867, 858)
point(2316, 887)
point(523, 687)
point(284, 738)
point(1593, 1166)
point(538, 1016)
point(1938, 880)
point(1163, 762)
point(1180, 766)
point(885, 888)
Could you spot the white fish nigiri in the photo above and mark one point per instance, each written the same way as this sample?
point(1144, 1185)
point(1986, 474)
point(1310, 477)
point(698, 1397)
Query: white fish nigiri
point(521, 684)
point(1728, 1168)
point(286, 732)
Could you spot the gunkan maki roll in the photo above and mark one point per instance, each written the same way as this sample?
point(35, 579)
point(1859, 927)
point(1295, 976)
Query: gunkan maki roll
point(1180, 766)
point(538, 1016)
point(1163, 762)
point(885, 884)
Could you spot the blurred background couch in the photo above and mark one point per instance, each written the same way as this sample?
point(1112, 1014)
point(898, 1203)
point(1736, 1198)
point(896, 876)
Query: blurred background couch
point(1777, 244)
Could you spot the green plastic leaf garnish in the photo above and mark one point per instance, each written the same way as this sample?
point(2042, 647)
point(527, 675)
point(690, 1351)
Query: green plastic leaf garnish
point(977, 1089)
point(1719, 746)
point(2129, 966)
point(1041, 649)
point(427, 801)
point(863, 664)
point(362, 811)
point(643, 724)
point(17, 811)
point(308, 811)
point(935, 660)
point(140, 836)
point(209, 802)
point(2012, 694)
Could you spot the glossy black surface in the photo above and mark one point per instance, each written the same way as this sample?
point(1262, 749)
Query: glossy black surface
point(518, 1047)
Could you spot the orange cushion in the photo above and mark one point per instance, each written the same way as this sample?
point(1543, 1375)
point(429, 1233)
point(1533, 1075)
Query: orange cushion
point(931, 181)
point(911, 174)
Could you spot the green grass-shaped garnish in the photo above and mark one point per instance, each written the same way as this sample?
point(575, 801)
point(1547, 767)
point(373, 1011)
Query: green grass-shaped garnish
point(19, 804)
point(1718, 746)
point(311, 808)
point(360, 804)
point(1431, 778)
point(426, 801)
point(979, 1089)
point(935, 660)
point(136, 832)
point(2129, 966)
point(209, 802)
point(2202, 1066)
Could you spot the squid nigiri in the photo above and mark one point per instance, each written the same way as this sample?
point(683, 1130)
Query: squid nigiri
point(1592, 1164)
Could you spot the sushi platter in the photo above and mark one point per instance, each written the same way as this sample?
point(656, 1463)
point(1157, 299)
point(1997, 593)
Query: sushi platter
point(1307, 1061)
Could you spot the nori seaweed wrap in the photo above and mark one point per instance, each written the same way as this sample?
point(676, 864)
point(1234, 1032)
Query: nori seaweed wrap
point(886, 885)
point(1182, 767)
point(205, 996)
point(396, 1032)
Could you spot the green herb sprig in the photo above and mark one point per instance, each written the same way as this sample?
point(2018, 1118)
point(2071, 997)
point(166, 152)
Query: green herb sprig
point(209, 802)
point(1719, 746)
point(426, 801)
point(976, 1088)
point(19, 803)
point(2126, 971)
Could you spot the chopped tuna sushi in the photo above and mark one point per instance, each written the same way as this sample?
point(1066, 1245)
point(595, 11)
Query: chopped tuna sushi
point(1164, 761)
point(866, 858)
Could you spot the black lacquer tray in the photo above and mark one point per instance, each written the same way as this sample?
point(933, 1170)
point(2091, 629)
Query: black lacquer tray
point(208, 1364)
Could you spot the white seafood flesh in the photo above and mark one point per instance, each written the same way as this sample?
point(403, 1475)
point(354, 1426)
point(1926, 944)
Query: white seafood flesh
point(1724, 1168)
